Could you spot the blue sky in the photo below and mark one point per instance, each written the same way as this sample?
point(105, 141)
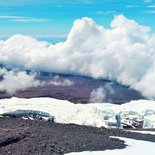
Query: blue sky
point(54, 18)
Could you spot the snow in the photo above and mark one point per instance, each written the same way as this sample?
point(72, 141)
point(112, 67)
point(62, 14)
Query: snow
point(143, 132)
point(134, 147)
point(97, 114)
point(149, 122)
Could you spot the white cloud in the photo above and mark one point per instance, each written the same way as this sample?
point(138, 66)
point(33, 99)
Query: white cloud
point(103, 12)
point(14, 81)
point(26, 20)
point(100, 94)
point(125, 52)
point(13, 17)
point(57, 81)
point(23, 19)
point(151, 6)
point(64, 83)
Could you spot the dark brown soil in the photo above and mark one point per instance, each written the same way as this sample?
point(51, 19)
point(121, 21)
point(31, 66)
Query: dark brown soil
point(25, 137)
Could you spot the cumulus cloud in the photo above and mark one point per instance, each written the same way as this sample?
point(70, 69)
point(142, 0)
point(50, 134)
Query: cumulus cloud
point(97, 95)
point(64, 83)
point(14, 81)
point(56, 81)
point(125, 52)
point(100, 94)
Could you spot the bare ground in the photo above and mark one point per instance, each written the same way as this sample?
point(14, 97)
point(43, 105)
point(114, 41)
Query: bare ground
point(26, 137)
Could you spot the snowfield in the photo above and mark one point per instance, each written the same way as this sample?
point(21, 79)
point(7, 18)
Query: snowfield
point(96, 115)
point(134, 147)
point(91, 114)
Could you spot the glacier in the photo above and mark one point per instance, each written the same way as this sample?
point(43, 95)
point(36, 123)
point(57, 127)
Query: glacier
point(96, 114)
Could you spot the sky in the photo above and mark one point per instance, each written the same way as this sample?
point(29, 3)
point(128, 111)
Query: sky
point(54, 18)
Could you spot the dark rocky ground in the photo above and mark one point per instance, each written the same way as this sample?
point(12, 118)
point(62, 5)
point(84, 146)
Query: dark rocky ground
point(25, 137)
point(80, 91)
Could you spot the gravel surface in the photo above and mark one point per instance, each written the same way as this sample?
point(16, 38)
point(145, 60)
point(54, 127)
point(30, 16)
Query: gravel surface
point(26, 137)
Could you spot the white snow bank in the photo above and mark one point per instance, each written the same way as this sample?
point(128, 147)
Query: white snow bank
point(97, 114)
point(135, 147)
point(64, 111)
point(143, 132)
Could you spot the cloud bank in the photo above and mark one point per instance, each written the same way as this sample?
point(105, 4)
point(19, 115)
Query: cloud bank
point(56, 81)
point(14, 81)
point(101, 94)
point(125, 52)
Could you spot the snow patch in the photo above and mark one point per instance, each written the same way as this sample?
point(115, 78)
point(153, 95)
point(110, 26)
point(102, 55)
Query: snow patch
point(134, 147)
